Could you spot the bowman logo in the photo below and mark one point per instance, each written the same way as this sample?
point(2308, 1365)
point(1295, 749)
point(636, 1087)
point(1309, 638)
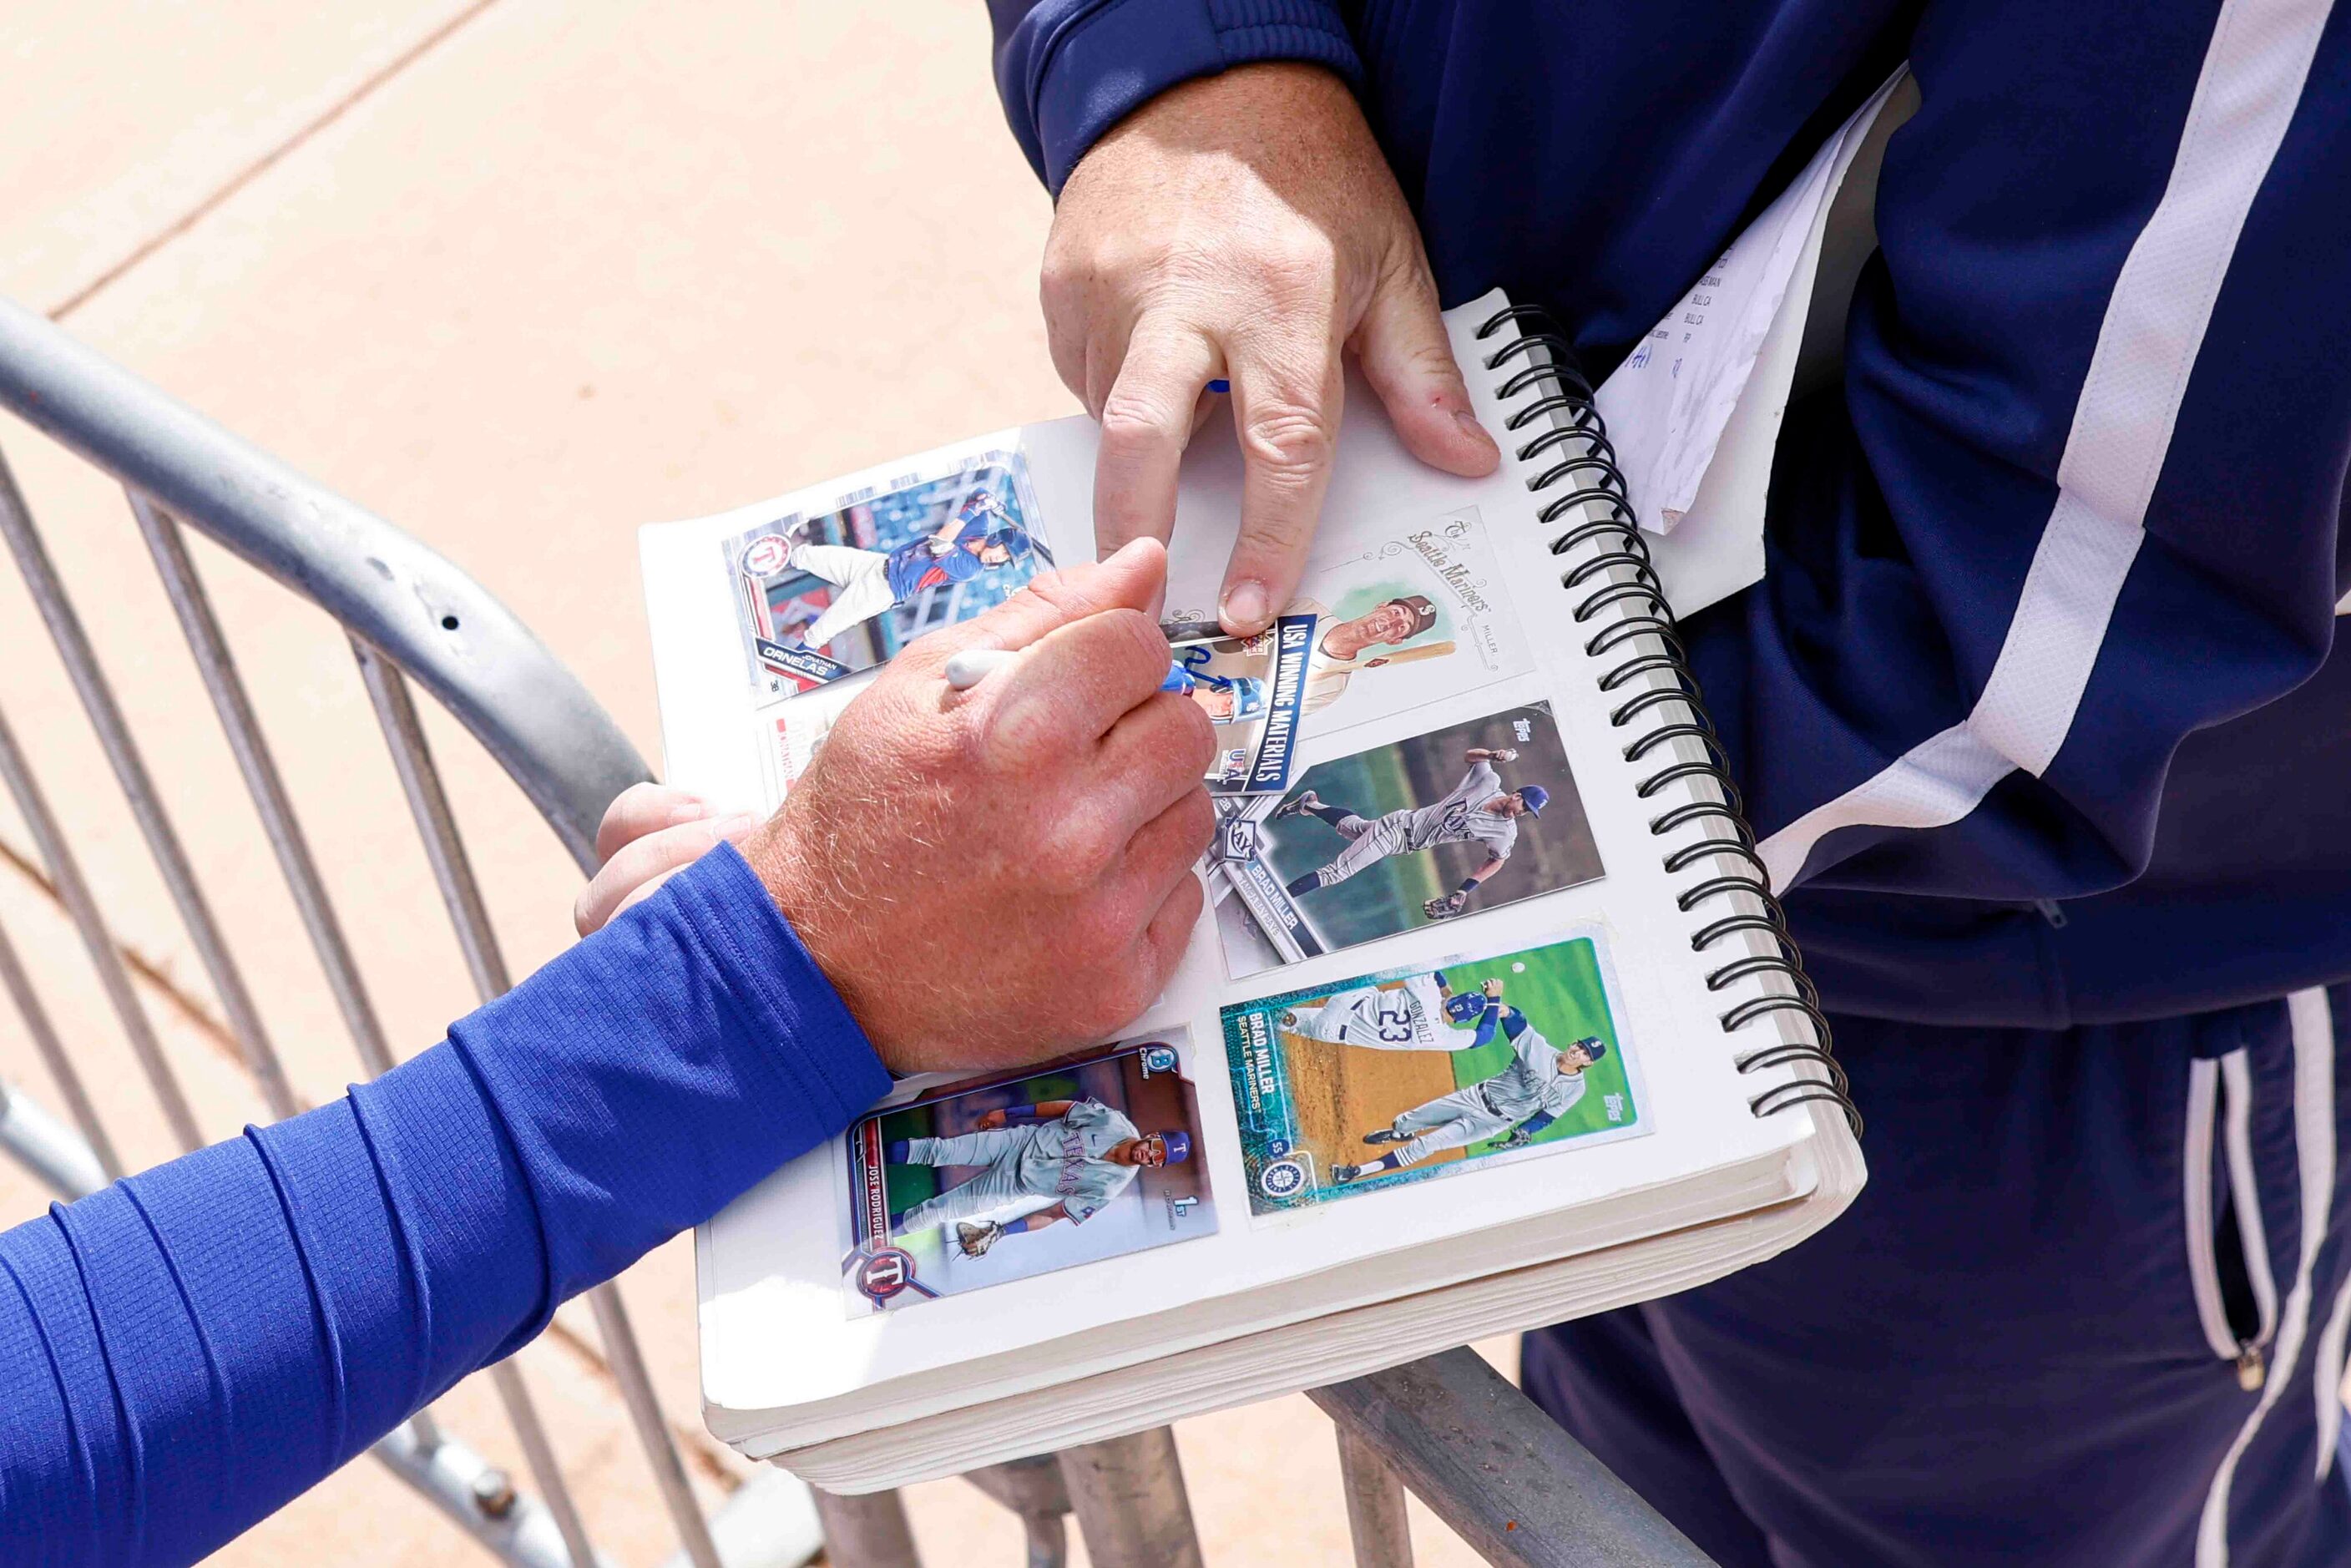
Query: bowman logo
point(884, 1274)
point(1282, 1178)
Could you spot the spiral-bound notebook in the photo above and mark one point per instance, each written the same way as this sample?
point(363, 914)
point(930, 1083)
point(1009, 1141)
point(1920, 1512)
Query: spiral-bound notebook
point(1490, 1021)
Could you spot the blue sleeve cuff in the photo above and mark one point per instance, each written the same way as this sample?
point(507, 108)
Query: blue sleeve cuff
point(654, 1072)
point(1069, 70)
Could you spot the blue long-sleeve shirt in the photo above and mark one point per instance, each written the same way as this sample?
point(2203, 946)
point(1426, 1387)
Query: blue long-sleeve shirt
point(2040, 709)
point(188, 1349)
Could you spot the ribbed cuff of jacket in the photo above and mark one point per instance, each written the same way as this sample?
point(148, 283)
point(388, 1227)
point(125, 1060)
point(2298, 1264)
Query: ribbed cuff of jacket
point(652, 1074)
point(1070, 72)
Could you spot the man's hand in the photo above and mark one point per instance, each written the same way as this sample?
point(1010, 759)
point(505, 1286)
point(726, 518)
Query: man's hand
point(990, 1121)
point(649, 833)
point(1245, 226)
point(992, 876)
point(1491, 988)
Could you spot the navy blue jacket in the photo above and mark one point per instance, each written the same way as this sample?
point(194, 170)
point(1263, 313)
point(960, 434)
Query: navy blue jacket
point(2037, 707)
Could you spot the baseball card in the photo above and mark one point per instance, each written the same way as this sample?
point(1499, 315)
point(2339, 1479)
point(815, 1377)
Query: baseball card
point(1394, 1077)
point(1253, 690)
point(1395, 837)
point(1406, 615)
point(1002, 1177)
point(825, 594)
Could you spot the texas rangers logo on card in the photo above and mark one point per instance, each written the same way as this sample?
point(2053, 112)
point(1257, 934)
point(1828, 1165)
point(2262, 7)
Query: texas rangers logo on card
point(766, 555)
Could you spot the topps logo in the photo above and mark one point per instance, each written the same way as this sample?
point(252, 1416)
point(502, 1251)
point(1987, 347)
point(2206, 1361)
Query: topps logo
point(1614, 1106)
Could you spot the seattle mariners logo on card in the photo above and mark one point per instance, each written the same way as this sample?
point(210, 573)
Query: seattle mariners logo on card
point(1282, 1178)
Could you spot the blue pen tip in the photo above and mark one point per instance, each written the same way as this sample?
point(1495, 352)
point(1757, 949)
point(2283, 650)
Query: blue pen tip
point(1220, 385)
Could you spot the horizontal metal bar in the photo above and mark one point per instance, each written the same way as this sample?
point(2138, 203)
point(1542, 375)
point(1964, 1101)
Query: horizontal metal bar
point(1516, 1486)
point(467, 649)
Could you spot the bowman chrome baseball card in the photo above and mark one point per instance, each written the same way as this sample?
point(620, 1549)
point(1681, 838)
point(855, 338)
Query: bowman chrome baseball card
point(1253, 690)
point(1395, 1077)
point(1406, 615)
point(991, 1179)
point(823, 594)
point(1469, 817)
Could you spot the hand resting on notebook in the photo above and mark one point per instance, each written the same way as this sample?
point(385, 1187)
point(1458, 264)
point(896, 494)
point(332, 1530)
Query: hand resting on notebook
point(986, 877)
point(1245, 227)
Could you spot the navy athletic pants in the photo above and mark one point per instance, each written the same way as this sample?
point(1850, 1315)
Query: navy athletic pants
point(2029, 1339)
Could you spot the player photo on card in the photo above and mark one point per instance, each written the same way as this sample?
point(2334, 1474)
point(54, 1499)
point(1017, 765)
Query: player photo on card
point(825, 594)
point(998, 1178)
point(1393, 1078)
point(1414, 614)
point(1252, 689)
point(1468, 817)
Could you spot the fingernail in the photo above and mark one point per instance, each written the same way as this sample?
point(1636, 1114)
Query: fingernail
point(1469, 423)
point(735, 826)
point(1245, 606)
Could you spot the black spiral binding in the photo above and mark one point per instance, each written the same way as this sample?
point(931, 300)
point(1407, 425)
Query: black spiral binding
point(1582, 458)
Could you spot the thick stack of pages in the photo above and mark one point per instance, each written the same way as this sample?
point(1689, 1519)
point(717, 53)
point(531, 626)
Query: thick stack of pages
point(1485, 1026)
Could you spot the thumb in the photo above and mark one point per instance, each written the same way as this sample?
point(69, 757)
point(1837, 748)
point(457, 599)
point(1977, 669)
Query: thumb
point(1402, 345)
point(1131, 578)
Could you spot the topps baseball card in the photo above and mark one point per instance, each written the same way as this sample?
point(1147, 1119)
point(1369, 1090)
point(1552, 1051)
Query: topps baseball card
point(1395, 837)
point(1253, 690)
point(998, 1178)
point(823, 594)
point(1395, 1077)
point(1404, 615)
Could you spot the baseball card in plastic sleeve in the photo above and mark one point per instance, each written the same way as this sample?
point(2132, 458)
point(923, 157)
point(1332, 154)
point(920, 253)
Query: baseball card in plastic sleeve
point(1396, 1077)
point(992, 1179)
point(1407, 613)
point(1392, 837)
point(824, 593)
point(1253, 690)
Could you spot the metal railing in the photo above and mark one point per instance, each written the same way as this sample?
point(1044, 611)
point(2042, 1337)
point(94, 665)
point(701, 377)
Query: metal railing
point(1482, 1456)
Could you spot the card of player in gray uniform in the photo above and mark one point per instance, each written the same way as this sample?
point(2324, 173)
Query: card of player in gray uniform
point(1001, 1177)
point(1469, 817)
point(1394, 1077)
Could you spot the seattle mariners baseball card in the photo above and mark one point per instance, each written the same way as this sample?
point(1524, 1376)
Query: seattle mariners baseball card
point(1392, 1078)
point(1398, 836)
point(827, 592)
point(999, 1178)
point(1253, 690)
point(1407, 613)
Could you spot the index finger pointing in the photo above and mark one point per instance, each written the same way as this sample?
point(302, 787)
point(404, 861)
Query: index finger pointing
point(1286, 403)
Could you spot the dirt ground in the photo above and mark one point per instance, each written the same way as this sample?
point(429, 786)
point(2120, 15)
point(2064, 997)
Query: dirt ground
point(1340, 1092)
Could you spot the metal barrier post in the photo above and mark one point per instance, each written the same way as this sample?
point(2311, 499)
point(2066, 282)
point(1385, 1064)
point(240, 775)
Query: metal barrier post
point(869, 1532)
point(1128, 1494)
point(1377, 1517)
point(1032, 1489)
